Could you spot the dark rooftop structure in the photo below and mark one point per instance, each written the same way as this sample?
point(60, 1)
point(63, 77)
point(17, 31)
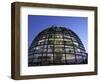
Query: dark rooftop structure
point(56, 46)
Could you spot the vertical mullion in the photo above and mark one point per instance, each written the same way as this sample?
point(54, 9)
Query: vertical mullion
point(64, 47)
point(47, 37)
point(42, 55)
point(73, 46)
point(54, 46)
point(47, 46)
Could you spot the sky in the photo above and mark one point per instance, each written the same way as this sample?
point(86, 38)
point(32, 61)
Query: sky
point(37, 23)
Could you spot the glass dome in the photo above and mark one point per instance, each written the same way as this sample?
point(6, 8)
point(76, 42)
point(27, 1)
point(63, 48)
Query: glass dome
point(56, 46)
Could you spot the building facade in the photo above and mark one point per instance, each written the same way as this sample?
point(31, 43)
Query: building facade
point(56, 46)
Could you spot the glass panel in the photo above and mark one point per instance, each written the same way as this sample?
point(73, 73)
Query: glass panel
point(45, 50)
point(75, 43)
point(58, 36)
point(44, 54)
point(50, 50)
point(59, 50)
point(45, 46)
point(66, 36)
point(66, 46)
point(51, 42)
point(69, 50)
point(79, 59)
point(58, 41)
point(73, 38)
point(50, 55)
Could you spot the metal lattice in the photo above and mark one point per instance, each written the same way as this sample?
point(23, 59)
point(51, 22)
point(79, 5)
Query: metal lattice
point(56, 46)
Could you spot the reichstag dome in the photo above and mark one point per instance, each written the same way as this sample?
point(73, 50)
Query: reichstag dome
point(56, 46)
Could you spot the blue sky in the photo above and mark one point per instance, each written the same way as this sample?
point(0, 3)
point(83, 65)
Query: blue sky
point(37, 23)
